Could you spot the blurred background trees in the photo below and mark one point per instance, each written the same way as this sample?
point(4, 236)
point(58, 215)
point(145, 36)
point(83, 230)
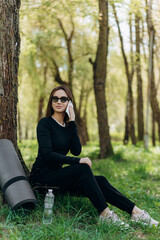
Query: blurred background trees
point(59, 41)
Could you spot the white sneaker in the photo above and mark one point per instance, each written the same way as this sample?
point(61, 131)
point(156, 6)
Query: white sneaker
point(145, 218)
point(113, 218)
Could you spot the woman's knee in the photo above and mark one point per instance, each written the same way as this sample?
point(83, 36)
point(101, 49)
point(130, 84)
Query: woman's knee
point(84, 169)
point(102, 180)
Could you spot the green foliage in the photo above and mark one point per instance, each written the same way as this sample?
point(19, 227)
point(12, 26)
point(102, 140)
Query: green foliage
point(133, 170)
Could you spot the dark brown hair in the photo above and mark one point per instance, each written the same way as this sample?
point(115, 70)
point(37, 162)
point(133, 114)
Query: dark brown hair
point(50, 110)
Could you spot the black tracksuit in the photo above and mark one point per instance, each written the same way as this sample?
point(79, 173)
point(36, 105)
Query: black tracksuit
point(55, 141)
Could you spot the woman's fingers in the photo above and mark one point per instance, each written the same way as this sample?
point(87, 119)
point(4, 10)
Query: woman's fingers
point(86, 160)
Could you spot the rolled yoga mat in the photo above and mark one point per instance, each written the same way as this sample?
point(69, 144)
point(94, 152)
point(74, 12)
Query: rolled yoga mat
point(13, 182)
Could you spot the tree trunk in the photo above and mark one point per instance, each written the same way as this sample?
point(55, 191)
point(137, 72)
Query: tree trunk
point(82, 130)
point(82, 121)
point(26, 131)
point(159, 133)
point(140, 120)
point(9, 63)
point(131, 115)
point(68, 40)
point(40, 107)
point(42, 94)
point(152, 92)
point(153, 97)
point(99, 76)
point(153, 130)
point(127, 128)
point(19, 127)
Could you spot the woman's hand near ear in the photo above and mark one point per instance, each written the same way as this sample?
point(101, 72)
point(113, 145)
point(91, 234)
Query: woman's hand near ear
point(72, 114)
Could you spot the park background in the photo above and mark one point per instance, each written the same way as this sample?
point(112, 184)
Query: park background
point(110, 60)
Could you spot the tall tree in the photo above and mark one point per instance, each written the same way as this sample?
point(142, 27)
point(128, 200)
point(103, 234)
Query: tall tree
point(152, 92)
point(9, 62)
point(140, 119)
point(129, 118)
point(99, 76)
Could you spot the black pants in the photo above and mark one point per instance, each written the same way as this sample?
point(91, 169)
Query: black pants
point(79, 179)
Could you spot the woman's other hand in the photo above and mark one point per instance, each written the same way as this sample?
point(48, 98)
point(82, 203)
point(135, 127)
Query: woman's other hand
point(86, 160)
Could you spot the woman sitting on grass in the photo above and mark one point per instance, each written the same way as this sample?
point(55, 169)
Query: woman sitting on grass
point(57, 134)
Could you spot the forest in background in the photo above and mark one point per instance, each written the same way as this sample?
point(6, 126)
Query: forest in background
point(59, 42)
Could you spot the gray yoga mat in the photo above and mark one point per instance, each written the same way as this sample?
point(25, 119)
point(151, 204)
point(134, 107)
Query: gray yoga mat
point(13, 182)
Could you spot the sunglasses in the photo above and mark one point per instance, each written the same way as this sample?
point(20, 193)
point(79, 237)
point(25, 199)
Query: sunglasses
point(62, 99)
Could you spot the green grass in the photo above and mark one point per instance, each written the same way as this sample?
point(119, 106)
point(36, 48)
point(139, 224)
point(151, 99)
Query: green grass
point(133, 170)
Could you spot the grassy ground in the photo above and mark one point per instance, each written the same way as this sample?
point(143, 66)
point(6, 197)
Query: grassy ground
point(134, 171)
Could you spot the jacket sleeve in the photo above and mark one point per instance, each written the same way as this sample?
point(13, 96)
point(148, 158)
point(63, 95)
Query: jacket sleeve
point(75, 145)
point(45, 146)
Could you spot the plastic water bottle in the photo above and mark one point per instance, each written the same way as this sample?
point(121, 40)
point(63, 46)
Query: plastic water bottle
point(48, 205)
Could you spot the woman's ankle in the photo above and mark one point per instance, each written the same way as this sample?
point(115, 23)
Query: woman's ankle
point(106, 212)
point(136, 210)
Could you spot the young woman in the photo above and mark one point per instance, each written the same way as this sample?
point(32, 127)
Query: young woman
point(57, 134)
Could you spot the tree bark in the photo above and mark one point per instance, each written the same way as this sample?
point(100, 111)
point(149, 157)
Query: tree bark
point(9, 63)
point(82, 129)
point(40, 107)
point(99, 76)
point(140, 119)
point(127, 128)
point(19, 127)
point(159, 133)
point(26, 131)
point(153, 130)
